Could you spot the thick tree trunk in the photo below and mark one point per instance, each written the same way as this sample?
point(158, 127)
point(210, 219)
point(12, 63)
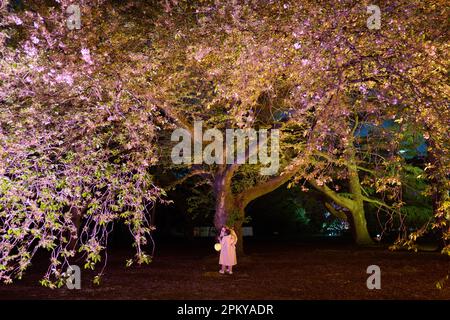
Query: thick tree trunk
point(224, 199)
point(229, 211)
point(229, 205)
point(355, 205)
point(356, 217)
point(359, 226)
point(362, 236)
point(231, 214)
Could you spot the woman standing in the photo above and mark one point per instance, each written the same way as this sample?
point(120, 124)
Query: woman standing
point(228, 240)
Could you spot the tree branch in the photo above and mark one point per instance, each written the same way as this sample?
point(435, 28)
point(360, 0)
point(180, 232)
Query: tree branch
point(337, 213)
point(267, 186)
point(377, 202)
point(339, 200)
point(198, 172)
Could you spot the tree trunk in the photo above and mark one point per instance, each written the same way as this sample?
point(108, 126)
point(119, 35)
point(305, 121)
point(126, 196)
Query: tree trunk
point(230, 214)
point(230, 208)
point(357, 216)
point(224, 199)
point(355, 205)
point(359, 226)
point(238, 228)
point(229, 211)
point(361, 234)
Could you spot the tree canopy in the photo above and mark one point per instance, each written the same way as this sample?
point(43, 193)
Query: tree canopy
point(86, 112)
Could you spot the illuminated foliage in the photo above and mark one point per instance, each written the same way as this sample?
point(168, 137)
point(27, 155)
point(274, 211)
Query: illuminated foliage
point(84, 111)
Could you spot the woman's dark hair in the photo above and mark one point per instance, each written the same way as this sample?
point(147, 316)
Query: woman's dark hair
point(227, 231)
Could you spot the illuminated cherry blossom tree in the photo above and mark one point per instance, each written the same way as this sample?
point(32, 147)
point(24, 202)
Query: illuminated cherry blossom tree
point(86, 106)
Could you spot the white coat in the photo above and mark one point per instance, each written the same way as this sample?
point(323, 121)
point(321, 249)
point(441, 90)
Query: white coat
point(228, 250)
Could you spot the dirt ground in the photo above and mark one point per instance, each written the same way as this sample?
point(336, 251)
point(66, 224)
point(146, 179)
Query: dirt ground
point(269, 270)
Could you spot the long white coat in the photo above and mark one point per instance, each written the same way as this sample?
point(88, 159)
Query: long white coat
point(228, 250)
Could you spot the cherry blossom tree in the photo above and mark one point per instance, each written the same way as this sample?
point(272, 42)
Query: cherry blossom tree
point(320, 68)
point(76, 141)
point(87, 106)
